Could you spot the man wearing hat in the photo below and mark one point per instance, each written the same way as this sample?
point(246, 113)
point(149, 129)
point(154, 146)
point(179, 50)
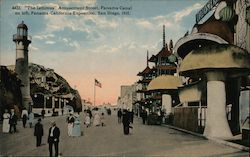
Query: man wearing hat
point(53, 138)
point(38, 132)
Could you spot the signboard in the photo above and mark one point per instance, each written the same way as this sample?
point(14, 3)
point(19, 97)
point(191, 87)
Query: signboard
point(208, 7)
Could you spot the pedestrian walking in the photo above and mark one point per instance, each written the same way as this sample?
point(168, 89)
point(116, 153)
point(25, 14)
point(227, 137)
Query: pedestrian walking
point(6, 122)
point(102, 119)
point(13, 121)
point(38, 132)
point(70, 121)
point(90, 113)
point(97, 119)
point(119, 115)
point(53, 139)
point(24, 117)
point(132, 116)
point(43, 113)
point(87, 120)
point(76, 131)
point(126, 122)
point(31, 119)
point(144, 116)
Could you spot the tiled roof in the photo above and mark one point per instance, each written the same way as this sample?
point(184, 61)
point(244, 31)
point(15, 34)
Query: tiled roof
point(145, 71)
point(163, 53)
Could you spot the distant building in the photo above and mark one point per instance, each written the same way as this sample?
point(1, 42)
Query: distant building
point(127, 96)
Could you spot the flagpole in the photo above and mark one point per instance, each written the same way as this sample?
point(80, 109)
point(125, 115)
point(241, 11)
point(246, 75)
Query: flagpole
point(94, 93)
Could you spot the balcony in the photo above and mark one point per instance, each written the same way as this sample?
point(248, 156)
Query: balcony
point(20, 38)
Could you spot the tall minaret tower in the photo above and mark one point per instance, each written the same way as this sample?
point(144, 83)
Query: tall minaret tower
point(164, 43)
point(22, 41)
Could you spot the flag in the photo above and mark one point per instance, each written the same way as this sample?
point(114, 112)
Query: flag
point(97, 83)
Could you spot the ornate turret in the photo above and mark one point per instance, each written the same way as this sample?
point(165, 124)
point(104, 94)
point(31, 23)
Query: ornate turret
point(22, 33)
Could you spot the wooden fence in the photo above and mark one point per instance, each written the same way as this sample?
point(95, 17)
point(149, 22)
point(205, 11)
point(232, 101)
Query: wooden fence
point(189, 118)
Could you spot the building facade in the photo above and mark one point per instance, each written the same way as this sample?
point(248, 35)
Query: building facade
point(219, 85)
point(127, 96)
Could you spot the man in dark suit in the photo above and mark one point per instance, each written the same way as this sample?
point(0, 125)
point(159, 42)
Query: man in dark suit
point(126, 122)
point(38, 132)
point(119, 115)
point(53, 138)
point(13, 121)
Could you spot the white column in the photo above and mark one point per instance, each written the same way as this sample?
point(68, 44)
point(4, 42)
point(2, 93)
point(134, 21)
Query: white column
point(53, 102)
point(216, 120)
point(59, 103)
point(64, 102)
point(167, 103)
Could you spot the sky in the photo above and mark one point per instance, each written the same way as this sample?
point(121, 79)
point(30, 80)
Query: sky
point(109, 48)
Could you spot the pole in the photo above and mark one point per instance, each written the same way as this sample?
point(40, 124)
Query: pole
point(44, 103)
point(94, 93)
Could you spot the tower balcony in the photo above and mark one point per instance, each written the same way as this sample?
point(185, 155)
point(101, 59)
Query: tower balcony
point(17, 37)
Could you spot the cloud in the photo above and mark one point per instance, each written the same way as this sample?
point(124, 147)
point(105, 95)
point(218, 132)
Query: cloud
point(126, 48)
point(44, 37)
point(185, 12)
point(74, 44)
point(88, 24)
point(170, 20)
point(144, 23)
point(50, 42)
point(33, 48)
point(65, 40)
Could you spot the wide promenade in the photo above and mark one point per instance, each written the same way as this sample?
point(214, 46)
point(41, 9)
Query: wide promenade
point(144, 140)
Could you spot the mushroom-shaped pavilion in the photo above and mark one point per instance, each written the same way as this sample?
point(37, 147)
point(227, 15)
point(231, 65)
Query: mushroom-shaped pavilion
point(214, 63)
point(167, 85)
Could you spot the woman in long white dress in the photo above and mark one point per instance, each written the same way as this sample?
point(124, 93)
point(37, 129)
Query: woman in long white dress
point(97, 119)
point(6, 124)
point(31, 119)
point(87, 120)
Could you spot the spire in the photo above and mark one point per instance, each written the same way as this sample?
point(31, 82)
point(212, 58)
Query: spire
point(171, 45)
point(164, 36)
point(147, 58)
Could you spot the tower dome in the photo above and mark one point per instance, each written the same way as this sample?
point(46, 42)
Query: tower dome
point(22, 25)
point(22, 33)
point(165, 82)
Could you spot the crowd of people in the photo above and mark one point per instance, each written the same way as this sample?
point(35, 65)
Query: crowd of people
point(10, 120)
point(94, 117)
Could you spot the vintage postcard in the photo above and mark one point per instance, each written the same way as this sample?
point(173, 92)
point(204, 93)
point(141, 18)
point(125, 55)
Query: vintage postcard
point(124, 77)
